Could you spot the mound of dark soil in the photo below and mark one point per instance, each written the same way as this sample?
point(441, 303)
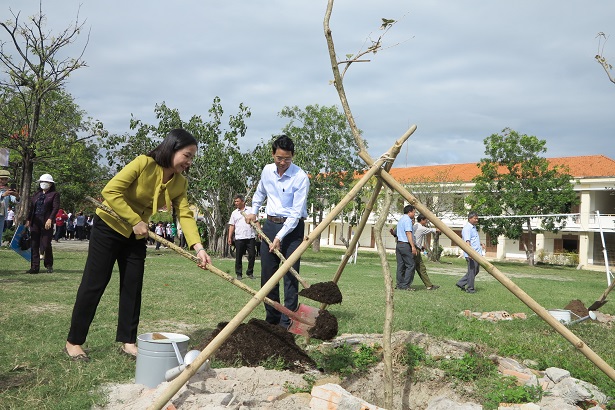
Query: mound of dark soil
point(257, 341)
point(323, 292)
point(578, 308)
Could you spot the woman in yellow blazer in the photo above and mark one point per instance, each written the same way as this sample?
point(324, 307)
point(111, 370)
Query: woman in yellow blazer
point(135, 193)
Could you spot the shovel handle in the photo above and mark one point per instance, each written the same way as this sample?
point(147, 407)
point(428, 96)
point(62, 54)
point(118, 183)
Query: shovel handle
point(276, 305)
point(277, 252)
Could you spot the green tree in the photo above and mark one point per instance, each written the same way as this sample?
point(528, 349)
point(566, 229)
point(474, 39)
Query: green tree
point(34, 65)
point(61, 148)
point(325, 149)
point(219, 170)
point(515, 183)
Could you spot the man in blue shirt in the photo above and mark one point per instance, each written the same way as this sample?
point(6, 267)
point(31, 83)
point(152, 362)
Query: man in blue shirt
point(405, 250)
point(284, 186)
point(470, 235)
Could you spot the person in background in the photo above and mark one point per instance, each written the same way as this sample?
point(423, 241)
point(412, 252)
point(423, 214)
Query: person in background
point(7, 195)
point(159, 230)
point(284, 186)
point(61, 218)
point(10, 219)
point(420, 231)
point(469, 234)
point(80, 226)
point(135, 193)
point(44, 207)
point(70, 227)
point(244, 237)
point(405, 250)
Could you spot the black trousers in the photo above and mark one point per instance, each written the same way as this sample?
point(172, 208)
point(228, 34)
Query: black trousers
point(105, 248)
point(240, 248)
point(40, 242)
point(270, 263)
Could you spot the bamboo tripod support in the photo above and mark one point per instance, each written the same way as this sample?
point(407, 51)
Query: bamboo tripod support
point(190, 370)
point(393, 184)
point(493, 271)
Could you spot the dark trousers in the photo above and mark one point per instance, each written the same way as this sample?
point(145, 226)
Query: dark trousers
point(421, 269)
point(405, 265)
point(60, 232)
point(240, 248)
point(41, 241)
point(270, 264)
point(468, 278)
point(79, 232)
point(105, 248)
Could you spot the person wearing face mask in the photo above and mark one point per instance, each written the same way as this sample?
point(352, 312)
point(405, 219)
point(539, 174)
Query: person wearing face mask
point(44, 206)
point(135, 193)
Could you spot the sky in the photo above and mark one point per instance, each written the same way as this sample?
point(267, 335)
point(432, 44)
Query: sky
point(459, 70)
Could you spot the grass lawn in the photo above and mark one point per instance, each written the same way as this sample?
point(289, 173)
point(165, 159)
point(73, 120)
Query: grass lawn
point(179, 297)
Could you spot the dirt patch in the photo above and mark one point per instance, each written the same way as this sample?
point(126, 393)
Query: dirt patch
point(578, 308)
point(323, 292)
point(325, 327)
point(257, 342)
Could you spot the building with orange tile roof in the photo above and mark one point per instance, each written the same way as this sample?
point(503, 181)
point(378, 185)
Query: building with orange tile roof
point(587, 224)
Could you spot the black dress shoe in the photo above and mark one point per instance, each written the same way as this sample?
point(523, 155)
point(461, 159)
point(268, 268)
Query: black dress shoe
point(32, 271)
point(49, 270)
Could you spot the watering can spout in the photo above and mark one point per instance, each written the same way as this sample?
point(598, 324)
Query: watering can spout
point(592, 316)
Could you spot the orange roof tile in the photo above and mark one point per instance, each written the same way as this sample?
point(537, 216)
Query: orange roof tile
point(580, 167)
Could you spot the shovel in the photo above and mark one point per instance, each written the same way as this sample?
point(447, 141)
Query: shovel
point(600, 302)
point(324, 292)
point(306, 321)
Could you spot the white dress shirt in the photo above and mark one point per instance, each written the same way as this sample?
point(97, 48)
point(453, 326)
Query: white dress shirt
point(286, 195)
point(243, 230)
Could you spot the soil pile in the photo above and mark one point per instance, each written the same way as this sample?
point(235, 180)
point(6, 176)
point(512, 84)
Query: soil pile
point(578, 308)
point(323, 292)
point(256, 342)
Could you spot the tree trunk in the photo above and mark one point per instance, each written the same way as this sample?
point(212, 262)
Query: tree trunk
point(529, 245)
point(316, 243)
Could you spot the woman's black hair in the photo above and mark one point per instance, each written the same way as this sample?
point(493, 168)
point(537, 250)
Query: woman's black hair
point(175, 140)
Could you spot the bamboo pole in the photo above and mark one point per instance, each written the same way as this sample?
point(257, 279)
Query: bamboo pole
point(217, 341)
point(389, 306)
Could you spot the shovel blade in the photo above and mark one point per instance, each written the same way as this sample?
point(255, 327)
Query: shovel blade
point(305, 318)
point(597, 305)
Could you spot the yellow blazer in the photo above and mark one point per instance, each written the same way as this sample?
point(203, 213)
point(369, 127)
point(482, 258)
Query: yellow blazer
point(137, 192)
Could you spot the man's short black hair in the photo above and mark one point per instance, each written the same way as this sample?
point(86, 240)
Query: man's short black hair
point(241, 197)
point(472, 214)
point(421, 218)
point(408, 208)
point(283, 142)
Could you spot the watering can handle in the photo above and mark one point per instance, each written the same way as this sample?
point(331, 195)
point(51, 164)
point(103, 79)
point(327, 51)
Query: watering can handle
point(180, 359)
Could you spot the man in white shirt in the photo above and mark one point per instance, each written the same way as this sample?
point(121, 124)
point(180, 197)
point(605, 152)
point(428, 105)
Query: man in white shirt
point(420, 231)
point(285, 187)
point(244, 237)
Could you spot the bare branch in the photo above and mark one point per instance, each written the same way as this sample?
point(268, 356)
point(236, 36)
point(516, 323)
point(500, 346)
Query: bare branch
point(600, 56)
